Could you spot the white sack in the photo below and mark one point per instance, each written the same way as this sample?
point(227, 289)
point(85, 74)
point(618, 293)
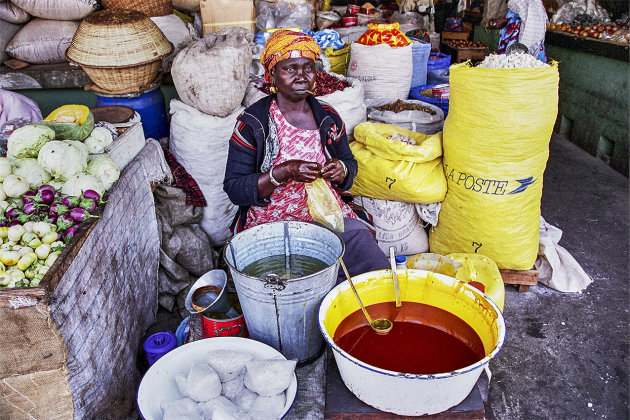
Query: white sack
point(199, 142)
point(397, 224)
point(58, 9)
point(558, 269)
point(7, 32)
point(179, 33)
point(43, 41)
point(349, 103)
point(211, 74)
point(9, 12)
point(384, 71)
point(418, 121)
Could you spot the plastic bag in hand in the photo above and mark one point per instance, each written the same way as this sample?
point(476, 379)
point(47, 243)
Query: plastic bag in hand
point(323, 206)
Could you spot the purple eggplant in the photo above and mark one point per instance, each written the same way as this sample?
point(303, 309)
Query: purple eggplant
point(46, 188)
point(44, 196)
point(50, 219)
point(27, 199)
point(88, 204)
point(69, 233)
point(92, 194)
point(64, 222)
point(13, 213)
point(13, 223)
point(4, 223)
point(30, 208)
point(80, 215)
point(71, 202)
point(31, 193)
point(57, 209)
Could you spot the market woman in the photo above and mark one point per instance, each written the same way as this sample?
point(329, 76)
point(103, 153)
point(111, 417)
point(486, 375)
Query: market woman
point(526, 23)
point(287, 139)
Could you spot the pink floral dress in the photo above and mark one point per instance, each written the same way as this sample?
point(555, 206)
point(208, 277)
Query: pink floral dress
point(288, 201)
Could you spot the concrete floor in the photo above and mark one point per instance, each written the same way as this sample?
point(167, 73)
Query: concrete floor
point(566, 355)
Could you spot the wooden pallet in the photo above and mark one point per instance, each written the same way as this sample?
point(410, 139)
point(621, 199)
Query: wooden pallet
point(520, 278)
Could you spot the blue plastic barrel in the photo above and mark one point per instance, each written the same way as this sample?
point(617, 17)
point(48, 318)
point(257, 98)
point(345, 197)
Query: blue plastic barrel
point(439, 64)
point(414, 93)
point(420, 55)
point(148, 103)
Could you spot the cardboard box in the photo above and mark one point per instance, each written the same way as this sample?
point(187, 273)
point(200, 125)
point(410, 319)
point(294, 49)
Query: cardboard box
point(219, 14)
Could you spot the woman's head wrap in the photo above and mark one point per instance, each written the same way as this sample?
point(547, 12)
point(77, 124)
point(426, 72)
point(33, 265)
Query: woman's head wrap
point(285, 44)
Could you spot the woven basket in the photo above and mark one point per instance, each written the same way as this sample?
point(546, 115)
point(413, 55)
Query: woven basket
point(150, 8)
point(125, 79)
point(117, 38)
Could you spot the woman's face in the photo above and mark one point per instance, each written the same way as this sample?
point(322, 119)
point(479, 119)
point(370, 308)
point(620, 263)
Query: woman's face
point(294, 77)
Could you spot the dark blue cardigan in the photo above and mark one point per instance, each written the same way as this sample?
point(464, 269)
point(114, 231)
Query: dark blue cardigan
point(247, 151)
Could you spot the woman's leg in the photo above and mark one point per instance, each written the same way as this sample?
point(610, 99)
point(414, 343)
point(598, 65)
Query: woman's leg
point(362, 252)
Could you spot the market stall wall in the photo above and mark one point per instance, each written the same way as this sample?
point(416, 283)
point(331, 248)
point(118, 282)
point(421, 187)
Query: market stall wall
point(78, 340)
point(593, 104)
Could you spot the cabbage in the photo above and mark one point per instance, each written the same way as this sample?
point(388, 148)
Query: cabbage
point(77, 184)
point(100, 138)
point(62, 160)
point(104, 169)
point(14, 186)
point(30, 170)
point(28, 140)
point(82, 148)
point(5, 168)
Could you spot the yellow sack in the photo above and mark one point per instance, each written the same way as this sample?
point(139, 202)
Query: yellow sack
point(338, 59)
point(496, 144)
point(323, 206)
point(393, 170)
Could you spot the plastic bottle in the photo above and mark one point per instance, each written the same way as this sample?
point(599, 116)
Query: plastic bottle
point(401, 262)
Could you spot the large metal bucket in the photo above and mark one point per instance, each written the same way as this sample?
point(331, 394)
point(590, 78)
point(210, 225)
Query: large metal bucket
point(283, 313)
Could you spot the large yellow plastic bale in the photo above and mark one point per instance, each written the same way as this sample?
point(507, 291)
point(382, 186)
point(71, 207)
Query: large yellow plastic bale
point(496, 144)
point(393, 170)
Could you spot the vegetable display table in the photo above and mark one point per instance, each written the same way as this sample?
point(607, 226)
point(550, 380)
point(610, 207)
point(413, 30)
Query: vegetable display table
point(69, 346)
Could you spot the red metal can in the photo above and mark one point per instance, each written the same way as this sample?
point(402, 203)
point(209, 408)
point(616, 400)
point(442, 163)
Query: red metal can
point(441, 91)
point(348, 21)
point(223, 327)
point(353, 9)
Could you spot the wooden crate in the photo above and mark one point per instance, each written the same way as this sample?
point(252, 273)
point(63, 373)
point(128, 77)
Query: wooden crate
point(520, 278)
point(455, 35)
point(459, 55)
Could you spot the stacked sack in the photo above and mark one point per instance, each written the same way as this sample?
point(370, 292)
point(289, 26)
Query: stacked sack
point(496, 144)
point(44, 39)
point(382, 60)
point(397, 169)
point(210, 76)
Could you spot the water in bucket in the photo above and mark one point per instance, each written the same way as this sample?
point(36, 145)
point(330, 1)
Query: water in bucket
point(282, 271)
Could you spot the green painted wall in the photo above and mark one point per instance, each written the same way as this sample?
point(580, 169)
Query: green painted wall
point(593, 109)
point(487, 36)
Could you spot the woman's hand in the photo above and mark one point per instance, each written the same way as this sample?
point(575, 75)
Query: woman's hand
point(297, 170)
point(333, 171)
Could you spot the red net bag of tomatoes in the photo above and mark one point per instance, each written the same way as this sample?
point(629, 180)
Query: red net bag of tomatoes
point(381, 33)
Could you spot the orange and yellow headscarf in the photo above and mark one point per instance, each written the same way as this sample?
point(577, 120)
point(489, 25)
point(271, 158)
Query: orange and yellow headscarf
point(285, 44)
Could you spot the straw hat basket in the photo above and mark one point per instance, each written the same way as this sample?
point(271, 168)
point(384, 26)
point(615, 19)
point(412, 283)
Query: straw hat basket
point(119, 49)
point(150, 8)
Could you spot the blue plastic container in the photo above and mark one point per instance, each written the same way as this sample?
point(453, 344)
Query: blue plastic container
point(414, 93)
point(148, 103)
point(440, 64)
point(438, 77)
point(158, 344)
point(420, 55)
